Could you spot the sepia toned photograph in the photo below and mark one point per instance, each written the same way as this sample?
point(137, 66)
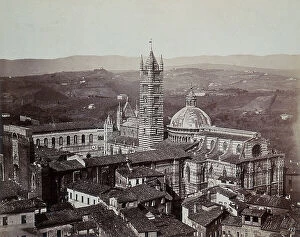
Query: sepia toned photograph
point(149, 118)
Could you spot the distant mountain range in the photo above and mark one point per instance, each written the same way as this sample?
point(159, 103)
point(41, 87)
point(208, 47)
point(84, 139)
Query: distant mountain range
point(23, 67)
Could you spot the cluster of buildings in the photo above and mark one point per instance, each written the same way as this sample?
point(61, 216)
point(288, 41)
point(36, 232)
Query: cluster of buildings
point(124, 178)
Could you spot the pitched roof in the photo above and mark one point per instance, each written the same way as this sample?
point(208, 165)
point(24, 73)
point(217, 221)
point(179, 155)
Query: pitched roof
point(232, 221)
point(105, 160)
point(57, 218)
point(270, 201)
point(145, 193)
point(45, 154)
point(65, 165)
point(253, 212)
point(198, 199)
point(9, 189)
point(138, 220)
point(278, 222)
point(66, 126)
point(21, 206)
point(140, 171)
point(94, 189)
point(123, 140)
point(170, 227)
point(225, 192)
point(111, 224)
point(204, 218)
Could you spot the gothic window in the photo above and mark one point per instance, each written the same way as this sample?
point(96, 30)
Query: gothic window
point(224, 172)
point(33, 184)
point(16, 173)
point(145, 110)
point(225, 145)
point(188, 173)
point(156, 89)
point(212, 143)
point(256, 150)
point(53, 142)
point(60, 141)
point(38, 142)
point(156, 131)
point(145, 88)
point(239, 149)
point(91, 138)
point(83, 139)
point(156, 110)
point(145, 99)
point(155, 121)
point(68, 140)
point(156, 99)
point(75, 139)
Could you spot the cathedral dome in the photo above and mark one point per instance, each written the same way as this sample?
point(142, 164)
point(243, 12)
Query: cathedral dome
point(190, 117)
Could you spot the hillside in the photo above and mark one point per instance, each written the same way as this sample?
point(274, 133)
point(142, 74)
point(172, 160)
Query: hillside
point(23, 67)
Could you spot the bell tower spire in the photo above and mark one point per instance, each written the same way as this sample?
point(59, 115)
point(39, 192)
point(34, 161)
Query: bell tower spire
point(151, 129)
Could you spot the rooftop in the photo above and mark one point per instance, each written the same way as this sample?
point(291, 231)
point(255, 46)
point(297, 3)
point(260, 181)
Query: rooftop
point(269, 201)
point(171, 227)
point(138, 220)
point(140, 171)
point(110, 223)
point(94, 189)
point(205, 218)
point(253, 212)
point(67, 126)
point(21, 206)
point(57, 218)
point(9, 190)
point(278, 222)
point(65, 165)
point(232, 221)
point(145, 193)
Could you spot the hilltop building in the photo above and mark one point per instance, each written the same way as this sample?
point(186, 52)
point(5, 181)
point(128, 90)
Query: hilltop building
point(237, 157)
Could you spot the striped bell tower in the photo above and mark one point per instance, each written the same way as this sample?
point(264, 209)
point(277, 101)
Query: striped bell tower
point(151, 128)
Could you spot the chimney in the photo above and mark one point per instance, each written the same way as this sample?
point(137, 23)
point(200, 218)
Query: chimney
point(128, 164)
point(195, 207)
point(208, 195)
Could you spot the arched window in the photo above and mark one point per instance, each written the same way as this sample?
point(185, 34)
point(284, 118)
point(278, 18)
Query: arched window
point(188, 173)
point(38, 142)
point(256, 150)
point(68, 140)
point(75, 139)
point(53, 141)
point(91, 138)
point(16, 173)
point(46, 142)
point(212, 143)
point(238, 149)
point(60, 141)
point(33, 186)
point(83, 139)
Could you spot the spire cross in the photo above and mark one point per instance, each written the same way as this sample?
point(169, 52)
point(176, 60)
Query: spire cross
point(150, 42)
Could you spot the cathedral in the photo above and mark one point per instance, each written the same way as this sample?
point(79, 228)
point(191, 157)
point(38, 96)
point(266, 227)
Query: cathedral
point(217, 156)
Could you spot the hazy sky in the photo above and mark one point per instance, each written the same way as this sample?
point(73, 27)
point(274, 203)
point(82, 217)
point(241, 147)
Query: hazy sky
point(59, 28)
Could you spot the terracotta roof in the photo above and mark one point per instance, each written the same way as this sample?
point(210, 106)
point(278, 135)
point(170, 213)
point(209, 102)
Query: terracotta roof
point(57, 218)
point(105, 160)
point(138, 220)
point(145, 193)
point(232, 221)
point(108, 221)
point(21, 206)
point(253, 212)
point(67, 126)
point(120, 194)
point(278, 222)
point(140, 171)
point(217, 189)
point(9, 190)
point(270, 201)
point(85, 225)
point(221, 135)
point(94, 189)
point(170, 227)
point(198, 199)
point(205, 218)
point(65, 165)
point(46, 154)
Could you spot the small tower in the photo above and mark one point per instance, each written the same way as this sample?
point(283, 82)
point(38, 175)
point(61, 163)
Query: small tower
point(108, 129)
point(119, 116)
point(191, 99)
point(161, 64)
point(151, 128)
